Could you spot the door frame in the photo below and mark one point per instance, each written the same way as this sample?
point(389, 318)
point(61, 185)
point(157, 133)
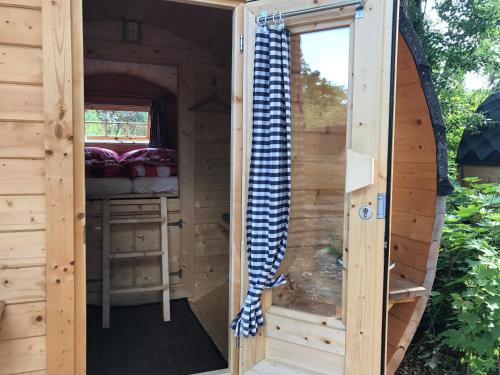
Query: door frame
point(63, 104)
point(63, 20)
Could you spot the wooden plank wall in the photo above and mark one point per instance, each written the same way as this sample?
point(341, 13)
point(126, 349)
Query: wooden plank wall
point(212, 134)
point(414, 197)
point(211, 147)
point(22, 189)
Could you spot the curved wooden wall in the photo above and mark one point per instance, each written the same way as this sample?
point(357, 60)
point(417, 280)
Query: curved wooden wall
point(417, 211)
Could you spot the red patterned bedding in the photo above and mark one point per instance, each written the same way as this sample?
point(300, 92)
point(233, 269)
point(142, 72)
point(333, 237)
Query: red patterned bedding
point(146, 162)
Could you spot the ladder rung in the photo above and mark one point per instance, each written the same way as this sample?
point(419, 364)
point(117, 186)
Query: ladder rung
point(134, 221)
point(138, 254)
point(138, 290)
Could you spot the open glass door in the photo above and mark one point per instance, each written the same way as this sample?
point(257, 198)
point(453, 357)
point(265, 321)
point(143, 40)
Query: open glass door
point(329, 316)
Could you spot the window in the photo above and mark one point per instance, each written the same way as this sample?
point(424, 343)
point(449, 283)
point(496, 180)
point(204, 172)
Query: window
point(313, 263)
point(117, 124)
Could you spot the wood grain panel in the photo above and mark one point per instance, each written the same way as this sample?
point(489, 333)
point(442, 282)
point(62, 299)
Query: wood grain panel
point(420, 202)
point(407, 175)
point(22, 355)
point(22, 284)
point(21, 139)
point(22, 3)
point(22, 245)
point(23, 320)
point(20, 64)
point(415, 227)
point(301, 356)
point(20, 26)
point(22, 176)
point(21, 102)
point(22, 212)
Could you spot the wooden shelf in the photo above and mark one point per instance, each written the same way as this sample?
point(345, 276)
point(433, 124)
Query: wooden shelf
point(135, 254)
point(154, 288)
point(401, 291)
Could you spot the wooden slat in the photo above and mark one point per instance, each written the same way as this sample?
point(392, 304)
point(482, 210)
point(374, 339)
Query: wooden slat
point(23, 320)
point(165, 260)
point(135, 254)
point(22, 212)
point(143, 289)
point(22, 176)
point(21, 140)
point(20, 64)
point(216, 263)
point(418, 150)
point(270, 367)
point(302, 356)
point(416, 201)
point(22, 284)
point(59, 135)
point(22, 3)
point(403, 290)
point(22, 245)
point(311, 335)
point(21, 102)
point(415, 227)
point(20, 26)
point(22, 355)
point(424, 177)
point(211, 247)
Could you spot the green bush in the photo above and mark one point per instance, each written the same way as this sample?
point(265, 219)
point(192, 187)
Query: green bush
point(461, 327)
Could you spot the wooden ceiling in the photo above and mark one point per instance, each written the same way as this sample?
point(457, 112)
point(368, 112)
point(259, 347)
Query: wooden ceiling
point(209, 28)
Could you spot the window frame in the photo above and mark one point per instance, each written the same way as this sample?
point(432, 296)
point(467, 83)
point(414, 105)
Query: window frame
point(120, 139)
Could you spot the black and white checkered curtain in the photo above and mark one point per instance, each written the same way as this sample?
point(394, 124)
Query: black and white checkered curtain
point(269, 180)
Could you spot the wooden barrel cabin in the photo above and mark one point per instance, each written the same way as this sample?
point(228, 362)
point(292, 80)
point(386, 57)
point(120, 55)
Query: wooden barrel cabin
point(124, 159)
point(420, 184)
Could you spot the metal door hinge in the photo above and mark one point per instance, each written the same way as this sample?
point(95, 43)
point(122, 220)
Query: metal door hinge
point(381, 206)
point(178, 223)
point(242, 39)
point(177, 273)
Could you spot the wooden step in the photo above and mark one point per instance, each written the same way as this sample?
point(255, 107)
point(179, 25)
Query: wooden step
point(153, 288)
point(135, 221)
point(270, 367)
point(139, 254)
point(401, 291)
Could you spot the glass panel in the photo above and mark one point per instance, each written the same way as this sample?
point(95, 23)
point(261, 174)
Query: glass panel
point(313, 263)
point(116, 124)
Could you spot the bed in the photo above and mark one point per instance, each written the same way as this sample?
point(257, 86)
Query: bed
point(141, 171)
point(100, 187)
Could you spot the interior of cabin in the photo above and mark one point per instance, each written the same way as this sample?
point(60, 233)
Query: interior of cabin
point(157, 144)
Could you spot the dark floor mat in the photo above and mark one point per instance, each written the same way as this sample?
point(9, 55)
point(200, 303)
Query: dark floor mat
point(140, 343)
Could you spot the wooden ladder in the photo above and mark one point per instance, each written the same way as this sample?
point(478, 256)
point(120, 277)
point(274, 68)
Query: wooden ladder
point(107, 257)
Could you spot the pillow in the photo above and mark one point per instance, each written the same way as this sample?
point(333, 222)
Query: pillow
point(150, 155)
point(105, 168)
point(101, 154)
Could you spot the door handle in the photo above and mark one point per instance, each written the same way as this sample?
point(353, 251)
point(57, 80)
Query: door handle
point(359, 171)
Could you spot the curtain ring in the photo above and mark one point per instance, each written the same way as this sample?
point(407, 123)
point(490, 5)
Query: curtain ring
point(261, 21)
point(282, 22)
point(274, 20)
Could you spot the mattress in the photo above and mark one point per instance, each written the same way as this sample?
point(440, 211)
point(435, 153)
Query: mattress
point(101, 187)
point(155, 185)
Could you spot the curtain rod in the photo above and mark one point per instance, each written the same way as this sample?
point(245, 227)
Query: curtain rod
point(359, 6)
